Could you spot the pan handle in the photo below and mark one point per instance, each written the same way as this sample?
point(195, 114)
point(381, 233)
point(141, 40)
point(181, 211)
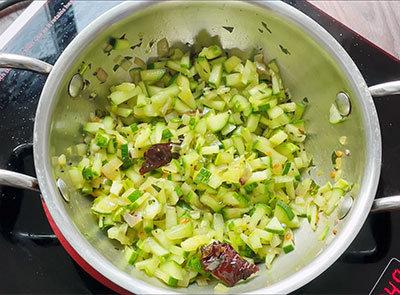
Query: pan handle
point(384, 89)
point(386, 204)
point(18, 180)
point(15, 61)
point(392, 202)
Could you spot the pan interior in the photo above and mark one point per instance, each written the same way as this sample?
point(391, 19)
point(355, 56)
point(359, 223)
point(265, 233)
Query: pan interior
point(307, 70)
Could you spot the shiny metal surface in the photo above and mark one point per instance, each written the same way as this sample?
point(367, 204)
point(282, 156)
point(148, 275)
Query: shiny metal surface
point(75, 85)
point(343, 103)
point(18, 180)
point(345, 207)
point(63, 189)
point(385, 89)
point(329, 71)
point(386, 204)
point(320, 78)
point(15, 61)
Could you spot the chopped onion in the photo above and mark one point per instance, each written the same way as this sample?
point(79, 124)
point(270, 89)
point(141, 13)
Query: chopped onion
point(101, 75)
point(140, 63)
point(133, 219)
point(162, 47)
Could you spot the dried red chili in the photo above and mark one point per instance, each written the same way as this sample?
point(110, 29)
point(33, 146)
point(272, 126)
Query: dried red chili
point(225, 263)
point(157, 156)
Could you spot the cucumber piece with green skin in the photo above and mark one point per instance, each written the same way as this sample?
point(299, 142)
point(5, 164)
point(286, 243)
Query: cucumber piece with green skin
point(173, 65)
point(117, 215)
point(138, 202)
point(185, 61)
point(131, 254)
point(180, 231)
point(148, 225)
point(275, 84)
point(218, 60)
point(300, 210)
point(92, 127)
point(156, 248)
point(122, 112)
point(216, 122)
point(334, 116)
point(274, 66)
point(119, 44)
point(234, 199)
point(231, 63)
point(142, 101)
point(152, 75)
point(275, 227)
point(117, 97)
point(234, 80)
point(102, 139)
point(312, 216)
point(135, 75)
point(249, 72)
point(213, 51)
point(203, 68)
point(157, 65)
point(149, 265)
point(215, 76)
point(105, 205)
point(173, 79)
point(278, 138)
point(169, 280)
point(299, 111)
point(254, 239)
point(337, 193)
point(211, 202)
point(285, 215)
point(195, 264)
point(153, 90)
point(173, 269)
point(287, 148)
point(185, 92)
point(160, 98)
point(193, 199)
point(180, 106)
point(252, 122)
point(240, 103)
point(230, 213)
point(288, 245)
point(258, 212)
point(324, 233)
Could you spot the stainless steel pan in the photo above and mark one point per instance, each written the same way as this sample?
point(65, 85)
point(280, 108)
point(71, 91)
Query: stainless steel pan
point(317, 67)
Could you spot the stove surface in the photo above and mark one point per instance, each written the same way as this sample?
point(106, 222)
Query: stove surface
point(32, 258)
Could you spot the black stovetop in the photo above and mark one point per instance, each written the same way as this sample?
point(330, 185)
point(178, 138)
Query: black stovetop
point(32, 259)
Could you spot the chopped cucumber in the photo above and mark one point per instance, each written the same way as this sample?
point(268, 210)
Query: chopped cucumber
point(217, 122)
point(275, 227)
point(285, 215)
point(236, 169)
point(152, 75)
point(173, 269)
point(334, 116)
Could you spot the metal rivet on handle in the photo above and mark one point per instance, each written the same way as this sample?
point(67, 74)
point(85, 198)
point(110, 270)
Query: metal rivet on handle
point(345, 207)
point(75, 85)
point(63, 189)
point(343, 103)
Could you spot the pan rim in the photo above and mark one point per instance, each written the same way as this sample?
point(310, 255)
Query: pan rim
point(355, 221)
